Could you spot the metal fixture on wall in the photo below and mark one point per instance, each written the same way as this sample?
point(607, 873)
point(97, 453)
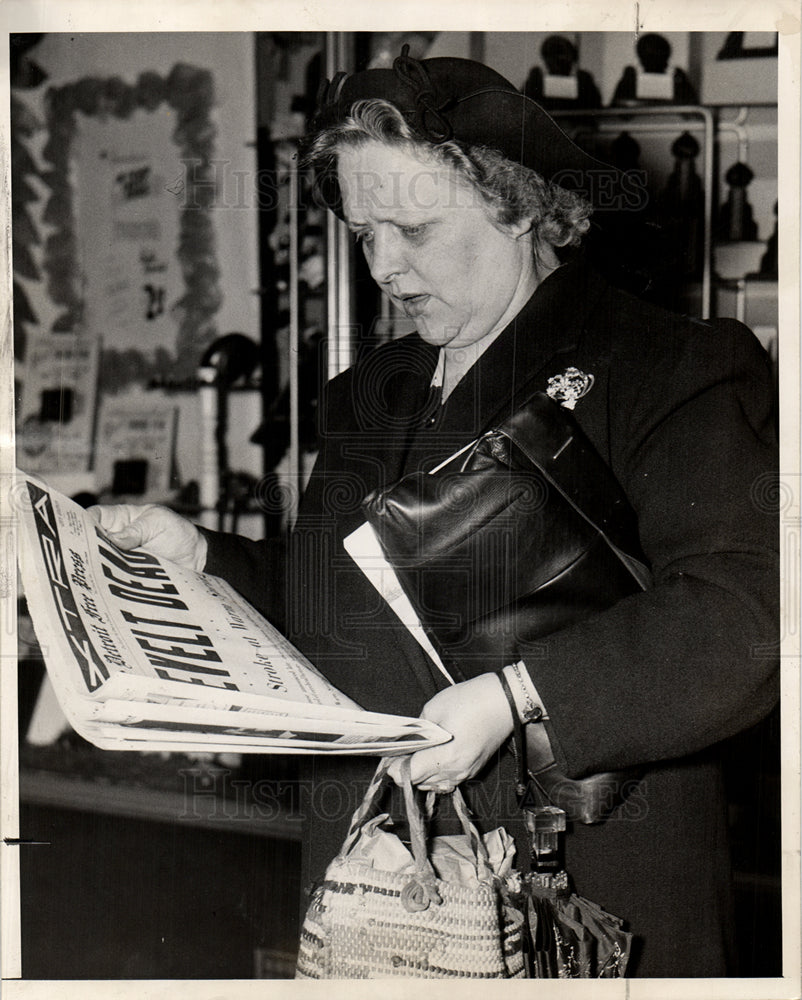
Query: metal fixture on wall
point(339, 53)
point(294, 351)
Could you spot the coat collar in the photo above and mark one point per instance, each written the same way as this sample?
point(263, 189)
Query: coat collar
point(515, 365)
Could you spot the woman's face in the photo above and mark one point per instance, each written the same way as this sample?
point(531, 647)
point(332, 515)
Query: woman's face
point(432, 244)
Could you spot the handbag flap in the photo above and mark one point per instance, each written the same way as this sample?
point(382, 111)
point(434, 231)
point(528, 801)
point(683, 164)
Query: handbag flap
point(550, 438)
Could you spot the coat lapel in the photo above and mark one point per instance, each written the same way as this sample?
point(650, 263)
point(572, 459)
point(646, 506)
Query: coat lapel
point(519, 362)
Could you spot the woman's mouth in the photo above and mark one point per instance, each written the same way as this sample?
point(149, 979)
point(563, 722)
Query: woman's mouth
point(413, 305)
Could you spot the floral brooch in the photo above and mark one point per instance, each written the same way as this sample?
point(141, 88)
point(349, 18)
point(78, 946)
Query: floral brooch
point(567, 388)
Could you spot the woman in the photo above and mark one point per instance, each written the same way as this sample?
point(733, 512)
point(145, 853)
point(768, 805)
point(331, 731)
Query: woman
point(444, 174)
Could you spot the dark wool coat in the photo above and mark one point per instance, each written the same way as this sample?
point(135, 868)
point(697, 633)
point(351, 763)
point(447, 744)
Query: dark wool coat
point(682, 413)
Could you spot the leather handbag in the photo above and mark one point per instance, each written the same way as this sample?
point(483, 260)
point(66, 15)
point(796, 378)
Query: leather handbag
point(523, 532)
point(368, 921)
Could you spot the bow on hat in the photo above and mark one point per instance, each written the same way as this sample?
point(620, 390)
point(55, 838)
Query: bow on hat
point(464, 101)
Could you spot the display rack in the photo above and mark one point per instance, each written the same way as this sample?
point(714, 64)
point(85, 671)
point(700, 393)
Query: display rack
point(668, 120)
point(663, 120)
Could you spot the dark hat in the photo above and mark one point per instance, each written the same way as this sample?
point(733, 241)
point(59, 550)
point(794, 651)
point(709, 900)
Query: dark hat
point(464, 101)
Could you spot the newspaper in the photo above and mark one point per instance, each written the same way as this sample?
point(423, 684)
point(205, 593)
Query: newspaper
point(144, 654)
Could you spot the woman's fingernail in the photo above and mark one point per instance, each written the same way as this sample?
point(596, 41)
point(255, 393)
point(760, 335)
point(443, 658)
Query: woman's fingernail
point(124, 538)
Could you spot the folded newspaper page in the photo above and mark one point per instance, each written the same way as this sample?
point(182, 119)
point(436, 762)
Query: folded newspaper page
point(144, 654)
point(364, 547)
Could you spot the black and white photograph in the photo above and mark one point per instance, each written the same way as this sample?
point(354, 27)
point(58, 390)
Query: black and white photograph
point(401, 500)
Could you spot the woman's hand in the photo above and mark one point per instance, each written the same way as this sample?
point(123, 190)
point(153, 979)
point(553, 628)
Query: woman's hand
point(154, 528)
point(478, 716)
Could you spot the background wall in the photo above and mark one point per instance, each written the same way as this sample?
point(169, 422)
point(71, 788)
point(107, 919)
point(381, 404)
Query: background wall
point(67, 58)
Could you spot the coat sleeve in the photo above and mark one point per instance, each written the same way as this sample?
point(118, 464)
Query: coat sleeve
point(260, 570)
point(693, 660)
point(256, 569)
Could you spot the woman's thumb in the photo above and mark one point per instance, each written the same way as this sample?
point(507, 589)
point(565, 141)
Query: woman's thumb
point(122, 523)
point(132, 536)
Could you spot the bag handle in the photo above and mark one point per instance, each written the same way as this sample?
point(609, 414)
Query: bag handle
point(483, 869)
point(417, 829)
point(362, 811)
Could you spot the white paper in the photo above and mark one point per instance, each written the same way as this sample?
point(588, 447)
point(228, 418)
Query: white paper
point(365, 549)
point(565, 87)
point(655, 86)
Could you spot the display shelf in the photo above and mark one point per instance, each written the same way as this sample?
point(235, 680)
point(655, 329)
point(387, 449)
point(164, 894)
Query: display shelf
point(172, 788)
point(62, 791)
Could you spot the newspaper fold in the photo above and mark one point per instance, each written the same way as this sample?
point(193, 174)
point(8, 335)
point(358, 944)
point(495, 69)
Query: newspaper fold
point(144, 654)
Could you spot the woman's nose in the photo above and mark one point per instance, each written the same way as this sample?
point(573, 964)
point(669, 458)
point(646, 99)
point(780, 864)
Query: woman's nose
point(387, 256)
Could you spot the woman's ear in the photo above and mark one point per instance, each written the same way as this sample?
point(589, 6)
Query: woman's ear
point(522, 228)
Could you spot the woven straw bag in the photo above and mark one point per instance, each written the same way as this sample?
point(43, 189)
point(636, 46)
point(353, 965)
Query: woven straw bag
point(365, 923)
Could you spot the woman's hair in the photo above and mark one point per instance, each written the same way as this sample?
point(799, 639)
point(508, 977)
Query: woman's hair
point(514, 192)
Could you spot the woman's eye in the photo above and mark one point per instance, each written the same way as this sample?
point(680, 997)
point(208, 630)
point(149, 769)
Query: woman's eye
point(413, 231)
point(363, 235)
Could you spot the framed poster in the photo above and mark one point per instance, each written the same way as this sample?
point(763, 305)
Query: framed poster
point(131, 258)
